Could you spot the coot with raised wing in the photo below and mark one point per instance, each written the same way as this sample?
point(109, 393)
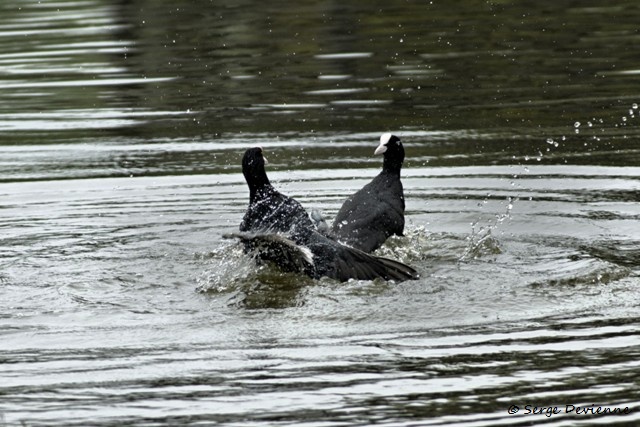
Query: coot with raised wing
point(277, 228)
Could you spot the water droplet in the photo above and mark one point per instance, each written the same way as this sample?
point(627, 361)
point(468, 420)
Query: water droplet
point(634, 106)
point(589, 124)
point(549, 140)
point(576, 125)
point(624, 119)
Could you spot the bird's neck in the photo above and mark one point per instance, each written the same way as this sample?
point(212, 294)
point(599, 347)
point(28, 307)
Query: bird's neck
point(257, 181)
point(258, 191)
point(392, 166)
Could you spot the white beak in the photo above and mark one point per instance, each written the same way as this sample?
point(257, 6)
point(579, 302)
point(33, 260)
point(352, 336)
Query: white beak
point(262, 151)
point(384, 140)
point(380, 150)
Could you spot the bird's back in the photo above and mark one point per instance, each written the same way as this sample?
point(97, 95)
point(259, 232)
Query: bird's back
point(272, 211)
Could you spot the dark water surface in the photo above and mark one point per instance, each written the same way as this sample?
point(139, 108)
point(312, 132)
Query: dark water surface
point(122, 125)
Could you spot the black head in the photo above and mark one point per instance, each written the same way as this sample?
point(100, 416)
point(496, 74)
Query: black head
point(393, 151)
point(253, 168)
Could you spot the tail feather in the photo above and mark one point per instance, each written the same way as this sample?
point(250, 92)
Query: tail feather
point(398, 270)
point(343, 262)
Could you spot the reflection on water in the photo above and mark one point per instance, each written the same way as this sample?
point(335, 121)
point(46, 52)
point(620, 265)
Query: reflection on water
point(321, 67)
point(122, 125)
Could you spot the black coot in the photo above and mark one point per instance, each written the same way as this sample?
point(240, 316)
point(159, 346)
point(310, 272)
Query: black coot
point(375, 212)
point(278, 229)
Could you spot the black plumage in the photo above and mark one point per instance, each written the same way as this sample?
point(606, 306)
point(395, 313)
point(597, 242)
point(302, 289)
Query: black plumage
point(375, 212)
point(278, 229)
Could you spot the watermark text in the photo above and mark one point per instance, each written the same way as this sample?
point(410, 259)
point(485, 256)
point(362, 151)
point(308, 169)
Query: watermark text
point(549, 411)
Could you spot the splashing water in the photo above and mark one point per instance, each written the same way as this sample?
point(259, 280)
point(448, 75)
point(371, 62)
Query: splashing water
point(411, 247)
point(481, 241)
point(229, 269)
